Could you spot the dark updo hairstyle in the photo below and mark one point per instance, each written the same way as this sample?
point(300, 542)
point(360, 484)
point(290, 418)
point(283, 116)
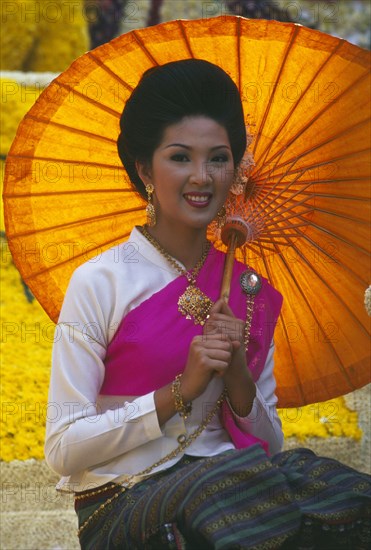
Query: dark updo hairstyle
point(170, 92)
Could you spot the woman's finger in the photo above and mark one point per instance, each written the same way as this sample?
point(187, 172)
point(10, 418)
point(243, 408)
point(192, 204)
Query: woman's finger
point(224, 308)
point(225, 327)
point(221, 306)
point(217, 306)
point(218, 366)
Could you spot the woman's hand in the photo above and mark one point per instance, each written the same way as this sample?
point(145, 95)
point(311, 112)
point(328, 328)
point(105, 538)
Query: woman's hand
point(237, 377)
point(209, 355)
point(222, 322)
point(220, 351)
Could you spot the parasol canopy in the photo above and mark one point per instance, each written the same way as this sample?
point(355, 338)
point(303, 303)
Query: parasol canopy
point(306, 102)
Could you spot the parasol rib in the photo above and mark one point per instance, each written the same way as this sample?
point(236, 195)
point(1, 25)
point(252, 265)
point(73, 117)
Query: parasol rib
point(259, 246)
point(265, 241)
point(144, 49)
point(319, 164)
point(74, 223)
point(106, 245)
point(342, 216)
point(264, 204)
point(276, 231)
point(109, 71)
point(185, 38)
point(344, 266)
point(294, 33)
point(68, 161)
point(331, 289)
point(334, 352)
point(71, 129)
point(272, 221)
point(261, 173)
point(320, 113)
point(298, 383)
point(339, 238)
point(291, 112)
point(276, 185)
point(269, 202)
point(340, 197)
point(61, 193)
point(275, 196)
point(294, 203)
point(89, 100)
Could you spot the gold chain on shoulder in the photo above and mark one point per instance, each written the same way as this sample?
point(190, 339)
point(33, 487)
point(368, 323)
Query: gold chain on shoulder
point(249, 312)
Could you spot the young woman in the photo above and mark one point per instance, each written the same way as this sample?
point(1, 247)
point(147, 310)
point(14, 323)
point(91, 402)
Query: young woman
point(167, 429)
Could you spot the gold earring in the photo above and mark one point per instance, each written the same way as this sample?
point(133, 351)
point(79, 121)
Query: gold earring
point(150, 209)
point(221, 217)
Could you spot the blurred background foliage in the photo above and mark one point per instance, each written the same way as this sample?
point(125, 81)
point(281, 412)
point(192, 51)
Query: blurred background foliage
point(46, 36)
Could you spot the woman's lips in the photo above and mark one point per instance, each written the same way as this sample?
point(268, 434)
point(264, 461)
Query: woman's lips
point(198, 200)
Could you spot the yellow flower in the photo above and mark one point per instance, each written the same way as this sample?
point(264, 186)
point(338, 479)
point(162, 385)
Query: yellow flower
point(42, 35)
point(17, 99)
point(25, 353)
point(330, 418)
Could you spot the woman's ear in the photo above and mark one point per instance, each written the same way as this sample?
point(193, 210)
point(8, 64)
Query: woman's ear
point(144, 171)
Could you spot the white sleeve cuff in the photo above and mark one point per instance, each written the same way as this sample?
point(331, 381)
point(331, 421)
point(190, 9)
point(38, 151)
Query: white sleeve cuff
point(146, 410)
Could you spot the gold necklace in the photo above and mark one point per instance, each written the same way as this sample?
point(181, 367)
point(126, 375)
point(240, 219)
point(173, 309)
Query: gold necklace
point(193, 303)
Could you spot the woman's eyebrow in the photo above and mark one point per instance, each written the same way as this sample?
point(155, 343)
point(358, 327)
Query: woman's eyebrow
point(189, 147)
point(178, 145)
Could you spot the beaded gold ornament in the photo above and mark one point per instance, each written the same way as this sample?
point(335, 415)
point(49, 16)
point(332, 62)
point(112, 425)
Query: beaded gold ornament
point(183, 409)
point(150, 209)
point(251, 284)
point(193, 303)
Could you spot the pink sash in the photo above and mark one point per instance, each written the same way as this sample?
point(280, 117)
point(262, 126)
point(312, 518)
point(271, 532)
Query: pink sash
point(151, 344)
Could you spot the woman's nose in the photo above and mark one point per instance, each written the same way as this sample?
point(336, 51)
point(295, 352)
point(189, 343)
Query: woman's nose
point(201, 173)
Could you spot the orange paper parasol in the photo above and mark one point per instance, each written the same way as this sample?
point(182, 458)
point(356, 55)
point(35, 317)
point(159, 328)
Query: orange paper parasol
point(305, 96)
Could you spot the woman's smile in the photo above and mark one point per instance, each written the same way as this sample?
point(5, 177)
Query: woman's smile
point(198, 199)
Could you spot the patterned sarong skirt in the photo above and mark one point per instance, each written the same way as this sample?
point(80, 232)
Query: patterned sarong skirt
point(237, 500)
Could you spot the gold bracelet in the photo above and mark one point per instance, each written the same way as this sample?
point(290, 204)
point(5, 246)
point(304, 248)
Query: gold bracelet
point(183, 409)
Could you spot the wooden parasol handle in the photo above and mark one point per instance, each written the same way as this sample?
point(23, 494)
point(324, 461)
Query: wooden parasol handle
point(228, 269)
point(234, 235)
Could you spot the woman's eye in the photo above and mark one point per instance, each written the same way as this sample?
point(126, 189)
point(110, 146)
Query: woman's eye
point(179, 157)
point(220, 158)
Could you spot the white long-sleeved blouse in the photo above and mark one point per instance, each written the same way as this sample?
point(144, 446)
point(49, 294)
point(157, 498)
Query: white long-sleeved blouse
point(92, 438)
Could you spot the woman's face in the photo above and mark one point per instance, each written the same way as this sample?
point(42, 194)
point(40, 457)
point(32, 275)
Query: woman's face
point(192, 171)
